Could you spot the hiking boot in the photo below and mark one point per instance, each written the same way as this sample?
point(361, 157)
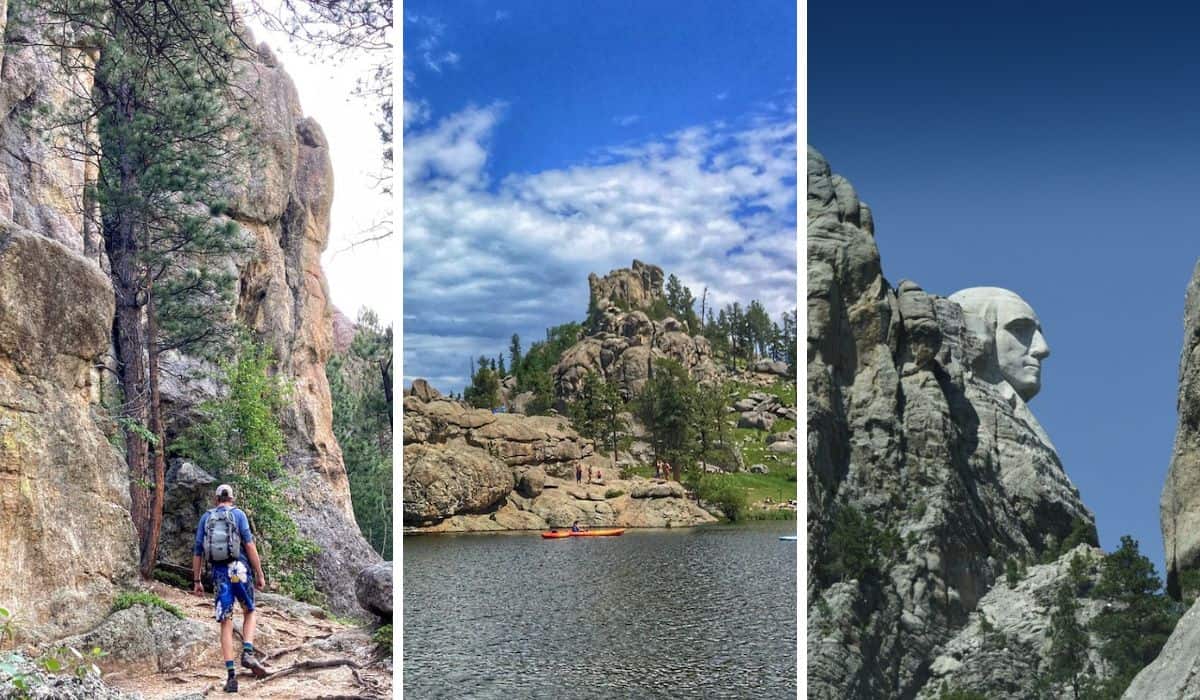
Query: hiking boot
point(231, 684)
point(254, 665)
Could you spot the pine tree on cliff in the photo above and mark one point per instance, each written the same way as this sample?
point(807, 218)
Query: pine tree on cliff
point(163, 130)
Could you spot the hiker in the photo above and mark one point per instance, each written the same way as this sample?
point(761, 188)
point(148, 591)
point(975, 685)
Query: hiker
point(599, 474)
point(223, 538)
point(578, 473)
point(589, 473)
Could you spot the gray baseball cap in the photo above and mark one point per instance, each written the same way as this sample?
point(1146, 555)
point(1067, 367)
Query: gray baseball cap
point(224, 489)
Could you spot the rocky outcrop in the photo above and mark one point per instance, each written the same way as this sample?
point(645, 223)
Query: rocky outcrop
point(1180, 504)
point(904, 429)
point(516, 440)
point(623, 342)
point(636, 287)
point(145, 638)
point(65, 531)
point(471, 470)
point(1007, 640)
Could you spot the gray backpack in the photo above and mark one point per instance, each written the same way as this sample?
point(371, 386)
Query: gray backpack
point(222, 541)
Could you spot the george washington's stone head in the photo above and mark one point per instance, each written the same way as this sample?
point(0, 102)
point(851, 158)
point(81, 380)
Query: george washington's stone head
point(1013, 346)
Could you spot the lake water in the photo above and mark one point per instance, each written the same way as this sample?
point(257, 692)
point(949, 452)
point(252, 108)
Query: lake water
point(696, 613)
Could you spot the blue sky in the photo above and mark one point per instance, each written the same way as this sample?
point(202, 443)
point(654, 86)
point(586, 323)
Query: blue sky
point(1050, 149)
point(546, 140)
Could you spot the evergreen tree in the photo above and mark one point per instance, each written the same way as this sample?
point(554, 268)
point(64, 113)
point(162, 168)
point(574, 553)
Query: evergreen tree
point(514, 355)
point(758, 329)
point(484, 391)
point(500, 371)
point(666, 407)
point(680, 302)
point(1068, 641)
point(596, 413)
point(1134, 628)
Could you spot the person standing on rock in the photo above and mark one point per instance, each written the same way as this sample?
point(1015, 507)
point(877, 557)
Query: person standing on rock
point(578, 473)
point(589, 474)
point(223, 538)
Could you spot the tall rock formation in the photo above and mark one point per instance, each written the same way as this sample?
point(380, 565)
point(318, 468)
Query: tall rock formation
point(913, 427)
point(1180, 504)
point(283, 207)
point(622, 341)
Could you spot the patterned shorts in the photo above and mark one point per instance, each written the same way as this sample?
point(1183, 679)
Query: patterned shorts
point(232, 583)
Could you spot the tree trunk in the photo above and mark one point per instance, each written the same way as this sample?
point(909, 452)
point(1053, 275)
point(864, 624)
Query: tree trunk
point(150, 542)
point(121, 245)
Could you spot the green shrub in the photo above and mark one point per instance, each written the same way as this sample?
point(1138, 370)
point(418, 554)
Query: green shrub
point(129, 599)
point(856, 547)
point(1012, 573)
point(613, 493)
point(959, 694)
point(172, 579)
point(725, 496)
point(383, 639)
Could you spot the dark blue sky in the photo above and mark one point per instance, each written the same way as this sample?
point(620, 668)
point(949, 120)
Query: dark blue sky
point(1054, 149)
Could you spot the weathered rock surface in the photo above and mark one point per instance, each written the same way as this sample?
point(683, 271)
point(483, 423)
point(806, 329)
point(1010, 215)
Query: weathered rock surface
point(146, 638)
point(65, 530)
point(902, 430)
point(1000, 658)
point(545, 441)
point(636, 287)
point(373, 587)
point(445, 480)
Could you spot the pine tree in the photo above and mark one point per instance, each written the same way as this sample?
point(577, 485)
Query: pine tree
point(514, 355)
point(666, 407)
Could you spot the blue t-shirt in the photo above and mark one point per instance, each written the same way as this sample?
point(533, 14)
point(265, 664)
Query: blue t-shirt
point(243, 526)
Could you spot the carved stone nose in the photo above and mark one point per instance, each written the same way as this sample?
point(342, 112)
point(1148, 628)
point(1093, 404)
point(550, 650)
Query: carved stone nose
point(1039, 348)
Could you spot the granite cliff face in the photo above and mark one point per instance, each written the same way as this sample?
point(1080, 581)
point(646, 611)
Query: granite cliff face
point(65, 530)
point(283, 207)
point(909, 427)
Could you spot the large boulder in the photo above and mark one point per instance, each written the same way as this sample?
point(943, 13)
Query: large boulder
point(635, 287)
point(65, 530)
point(1180, 503)
point(146, 635)
point(423, 391)
point(188, 493)
point(445, 480)
point(373, 588)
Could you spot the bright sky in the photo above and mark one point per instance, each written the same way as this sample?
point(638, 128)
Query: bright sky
point(547, 140)
point(358, 275)
point(1050, 149)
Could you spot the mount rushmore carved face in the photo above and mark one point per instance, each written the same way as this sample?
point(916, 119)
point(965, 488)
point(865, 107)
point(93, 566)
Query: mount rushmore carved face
point(1013, 344)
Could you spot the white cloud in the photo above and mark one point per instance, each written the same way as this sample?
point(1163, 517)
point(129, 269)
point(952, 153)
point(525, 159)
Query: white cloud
point(502, 15)
point(722, 95)
point(713, 204)
point(627, 120)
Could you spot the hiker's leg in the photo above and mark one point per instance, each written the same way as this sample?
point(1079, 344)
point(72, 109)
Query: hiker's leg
point(248, 625)
point(227, 639)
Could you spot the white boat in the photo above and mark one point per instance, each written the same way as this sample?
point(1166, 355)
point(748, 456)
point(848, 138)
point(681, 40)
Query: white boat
point(788, 538)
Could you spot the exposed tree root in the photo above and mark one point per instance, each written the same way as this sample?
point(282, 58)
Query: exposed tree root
point(312, 664)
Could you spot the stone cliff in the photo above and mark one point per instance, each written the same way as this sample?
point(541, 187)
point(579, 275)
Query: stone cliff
point(916, 430)
point(281, 295)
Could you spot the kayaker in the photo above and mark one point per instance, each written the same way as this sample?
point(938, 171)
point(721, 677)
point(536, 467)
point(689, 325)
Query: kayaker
point(576, 528)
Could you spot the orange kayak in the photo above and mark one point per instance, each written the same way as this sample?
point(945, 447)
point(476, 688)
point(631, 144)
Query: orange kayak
point(557, 534)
